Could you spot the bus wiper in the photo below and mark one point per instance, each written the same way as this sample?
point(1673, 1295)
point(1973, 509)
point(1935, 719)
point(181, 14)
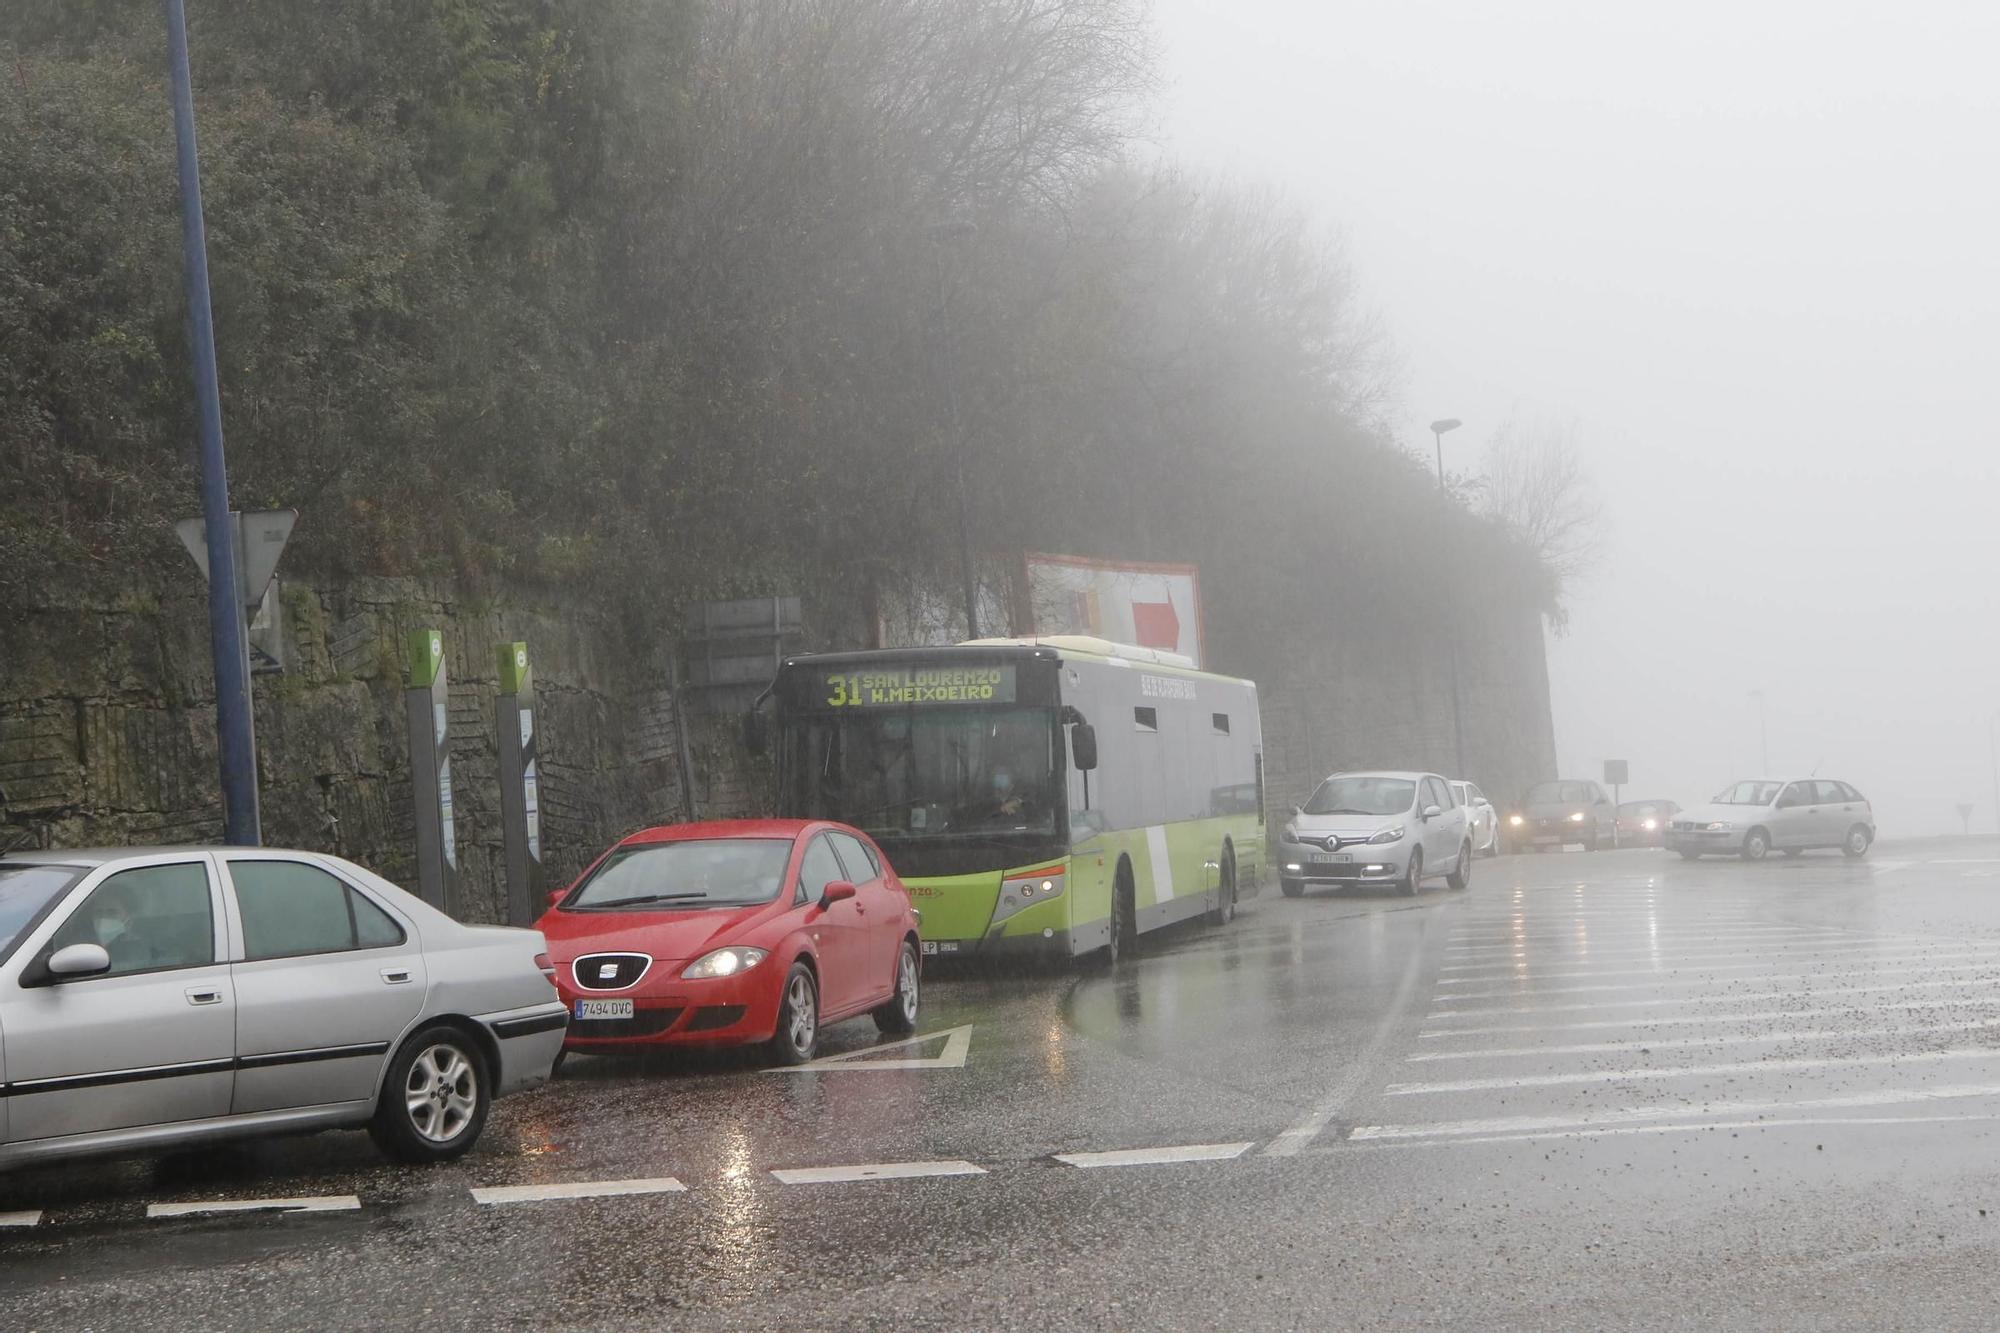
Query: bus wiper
point(645, 898)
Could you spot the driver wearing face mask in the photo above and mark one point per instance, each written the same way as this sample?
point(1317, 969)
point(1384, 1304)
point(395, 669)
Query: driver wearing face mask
point(111, 923)
point(1006, 801)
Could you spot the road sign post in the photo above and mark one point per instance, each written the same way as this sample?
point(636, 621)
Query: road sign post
point(1615, 777)
point(247, 548)
point(520, 778)
point(428, 696)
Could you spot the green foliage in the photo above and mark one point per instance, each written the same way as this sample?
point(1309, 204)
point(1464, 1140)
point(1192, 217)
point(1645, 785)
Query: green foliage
point(659, 298)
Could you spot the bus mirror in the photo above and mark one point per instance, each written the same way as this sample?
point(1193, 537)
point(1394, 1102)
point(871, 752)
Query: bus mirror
point(1083, 746)
point(756, 733)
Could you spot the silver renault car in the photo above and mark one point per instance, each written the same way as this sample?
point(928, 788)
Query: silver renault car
point(1382, 828)
point(154, 998)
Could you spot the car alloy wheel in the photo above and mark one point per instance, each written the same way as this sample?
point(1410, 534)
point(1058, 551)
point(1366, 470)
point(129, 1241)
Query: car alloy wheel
point(801, 1011)
point(898, 1017)
point(441, 1092)
point(1857, 841)
point(1756, 845)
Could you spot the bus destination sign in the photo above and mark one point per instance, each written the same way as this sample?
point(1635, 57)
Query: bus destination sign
point(905, 687)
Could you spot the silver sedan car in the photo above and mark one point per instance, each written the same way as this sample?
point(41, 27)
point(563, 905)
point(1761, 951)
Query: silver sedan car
point(1385, 828)
point(1753, 818)
point(154, 998)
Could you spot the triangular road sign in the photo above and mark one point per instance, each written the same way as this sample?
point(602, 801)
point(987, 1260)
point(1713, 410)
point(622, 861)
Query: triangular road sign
point(957, 1043)
point(261, 535)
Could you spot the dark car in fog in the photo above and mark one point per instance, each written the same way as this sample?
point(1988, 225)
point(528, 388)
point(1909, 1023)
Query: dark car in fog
point(1554, 814)
point(1644, 823)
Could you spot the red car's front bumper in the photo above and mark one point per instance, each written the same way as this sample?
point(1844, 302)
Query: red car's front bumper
point(670, 1011)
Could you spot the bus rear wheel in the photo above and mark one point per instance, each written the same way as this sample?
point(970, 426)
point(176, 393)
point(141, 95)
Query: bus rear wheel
point(1224, 910)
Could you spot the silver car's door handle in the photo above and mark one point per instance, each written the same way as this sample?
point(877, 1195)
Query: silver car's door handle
point(396, 976)
point(204, 994)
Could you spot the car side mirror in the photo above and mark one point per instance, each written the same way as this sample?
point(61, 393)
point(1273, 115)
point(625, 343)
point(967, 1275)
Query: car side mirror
point(1432, 812)
point(78, 960)
point(836, 891)
point(1083, 746)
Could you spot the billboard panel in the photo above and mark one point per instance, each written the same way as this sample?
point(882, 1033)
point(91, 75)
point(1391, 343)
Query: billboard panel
point(1150, 605)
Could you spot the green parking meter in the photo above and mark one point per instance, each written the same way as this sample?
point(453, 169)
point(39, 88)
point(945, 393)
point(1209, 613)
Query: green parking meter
point(520, 800)
point(428, 698)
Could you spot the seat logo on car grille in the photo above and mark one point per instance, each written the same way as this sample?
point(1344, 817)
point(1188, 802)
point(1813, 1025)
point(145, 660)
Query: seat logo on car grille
point(608, 972)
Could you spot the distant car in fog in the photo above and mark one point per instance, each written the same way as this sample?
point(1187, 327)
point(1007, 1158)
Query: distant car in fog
point(1382, 828)
point(1644, 823)
point(1750, 819)
point(1552, 814)
point(1480, 818)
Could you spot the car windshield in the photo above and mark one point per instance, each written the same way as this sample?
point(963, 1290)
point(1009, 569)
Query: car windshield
point(1748, 793)
point(1640, 808)
point(1559, 793)
point(25, 890)
point(685, 875)
point(929, 773)
point(1362, 794)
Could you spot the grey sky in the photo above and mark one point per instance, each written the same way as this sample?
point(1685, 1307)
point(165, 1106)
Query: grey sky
point(1751, 249)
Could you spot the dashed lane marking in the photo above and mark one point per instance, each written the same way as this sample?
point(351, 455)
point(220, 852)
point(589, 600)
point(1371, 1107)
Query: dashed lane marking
point(579, 1189)
point(1843, 955)
point(1194, 1152)
point(1533, 1124)
point(1657, 1072)
point(830, 1175)
point(957, 1045)
point(22, 1219)
point(326, 1203)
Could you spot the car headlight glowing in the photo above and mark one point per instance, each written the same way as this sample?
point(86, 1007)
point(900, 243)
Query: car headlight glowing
point(1576, 818)
point(1394, 834)
point(1649, 824)
point(1516, 820)
point(725, 962)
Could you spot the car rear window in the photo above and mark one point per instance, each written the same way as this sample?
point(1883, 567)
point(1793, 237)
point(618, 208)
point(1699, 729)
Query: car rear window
point(1559, 793)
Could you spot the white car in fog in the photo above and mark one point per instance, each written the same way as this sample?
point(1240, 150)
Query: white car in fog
point(1480, 817)
point(1752, 818)
point(1383, 828)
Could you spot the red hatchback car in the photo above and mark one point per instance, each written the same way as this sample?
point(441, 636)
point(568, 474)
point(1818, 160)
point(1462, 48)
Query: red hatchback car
point(733, 933)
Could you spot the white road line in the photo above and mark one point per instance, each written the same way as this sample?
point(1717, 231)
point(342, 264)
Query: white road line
point(1795, 993)
point(24, 1219)
point(1649, 1024)
point(1981, 970)
point(1715, 962)
point(1195, 1152)
point(829, 1175)
point(1649, 1044)
point(1641, 941)
point(1967, 861)
point(325, 1203)
point(1308, 1126)
point(1529, 1124)
point(576, 1189)
point(1702, 1127)
point(1657, 1072)
point(958, 1044)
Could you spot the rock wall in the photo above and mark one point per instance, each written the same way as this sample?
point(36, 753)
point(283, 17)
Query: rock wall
point(107, 728)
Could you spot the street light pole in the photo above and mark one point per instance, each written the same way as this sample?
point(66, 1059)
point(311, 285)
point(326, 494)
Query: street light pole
point(1763, 734)
point(1438, 429)
point(949, 356)
point(1993, 757)
point(227, 638)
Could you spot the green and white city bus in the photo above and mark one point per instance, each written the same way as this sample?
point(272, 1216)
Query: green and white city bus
point(1049, 796)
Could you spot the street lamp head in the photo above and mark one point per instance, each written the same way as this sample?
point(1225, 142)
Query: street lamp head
point(1449, 423)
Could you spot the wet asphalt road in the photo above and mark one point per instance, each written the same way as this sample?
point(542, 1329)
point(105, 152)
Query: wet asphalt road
point(1608, 1090)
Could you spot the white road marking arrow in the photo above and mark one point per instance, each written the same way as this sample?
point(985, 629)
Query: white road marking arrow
point(957, 1043)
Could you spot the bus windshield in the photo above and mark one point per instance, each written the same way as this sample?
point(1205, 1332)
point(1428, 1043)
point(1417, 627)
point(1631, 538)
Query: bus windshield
point(926, 773)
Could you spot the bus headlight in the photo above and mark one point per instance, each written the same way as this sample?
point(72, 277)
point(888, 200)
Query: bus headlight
point(1028, 889)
